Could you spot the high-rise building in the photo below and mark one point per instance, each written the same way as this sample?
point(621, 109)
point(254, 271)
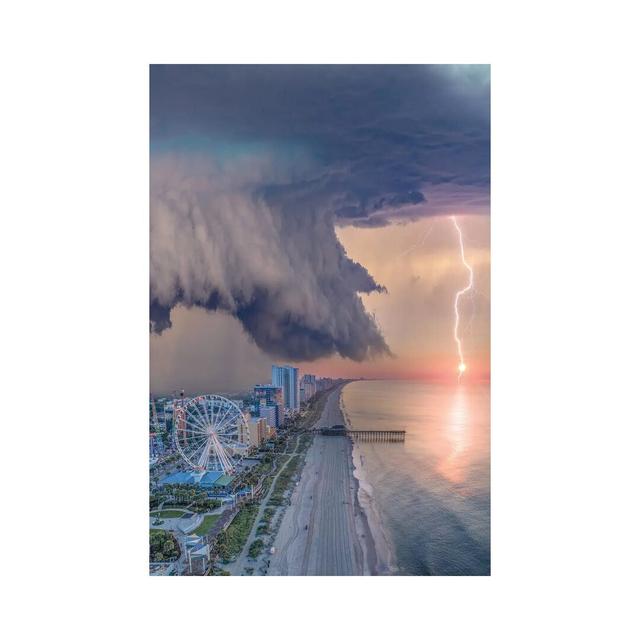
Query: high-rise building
point(322, 384)
point(243, 429)
point(270, 414)
point(180, 421)
point(308, 386)
point(258, 431)
point(152, 445)
point(270, 396)
point(286, 377)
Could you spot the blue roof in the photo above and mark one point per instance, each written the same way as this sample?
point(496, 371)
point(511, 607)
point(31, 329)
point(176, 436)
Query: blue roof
point(179, 477)
point(209, 478)
point(206, 480)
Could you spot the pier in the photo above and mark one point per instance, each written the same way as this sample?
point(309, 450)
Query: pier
point(376, 436)
point(363, 435)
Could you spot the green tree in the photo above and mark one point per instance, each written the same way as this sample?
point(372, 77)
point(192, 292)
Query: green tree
point(168, 548)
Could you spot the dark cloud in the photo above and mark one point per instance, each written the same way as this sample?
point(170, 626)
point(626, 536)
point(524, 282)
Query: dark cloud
point(253, 166)
point(217, 244)
point(379, 134)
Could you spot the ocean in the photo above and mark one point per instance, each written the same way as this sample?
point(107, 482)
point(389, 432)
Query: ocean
point(432, 492)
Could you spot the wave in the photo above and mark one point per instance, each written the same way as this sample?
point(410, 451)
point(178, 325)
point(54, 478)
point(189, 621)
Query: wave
point(386, 563)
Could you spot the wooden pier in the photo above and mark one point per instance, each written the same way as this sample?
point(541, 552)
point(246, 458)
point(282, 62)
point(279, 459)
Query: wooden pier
point(363, 435)
point(376, 436)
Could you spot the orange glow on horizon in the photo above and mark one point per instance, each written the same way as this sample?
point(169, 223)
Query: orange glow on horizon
point(432, 367)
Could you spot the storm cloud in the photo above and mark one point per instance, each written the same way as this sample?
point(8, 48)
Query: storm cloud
point(217, 243)
point(252, 167)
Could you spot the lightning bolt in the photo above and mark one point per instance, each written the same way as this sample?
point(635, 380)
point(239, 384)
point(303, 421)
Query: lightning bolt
point(461, 364)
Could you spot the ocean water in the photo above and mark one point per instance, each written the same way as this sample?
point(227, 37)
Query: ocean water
point(432, 491)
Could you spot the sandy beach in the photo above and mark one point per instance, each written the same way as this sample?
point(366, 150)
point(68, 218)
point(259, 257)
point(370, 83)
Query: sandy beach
point(331, 526)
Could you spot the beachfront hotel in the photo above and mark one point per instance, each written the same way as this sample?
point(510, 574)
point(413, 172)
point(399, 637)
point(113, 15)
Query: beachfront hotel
point(286, 377)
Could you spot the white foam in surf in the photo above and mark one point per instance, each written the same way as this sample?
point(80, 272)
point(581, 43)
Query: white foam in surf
point(383, 547)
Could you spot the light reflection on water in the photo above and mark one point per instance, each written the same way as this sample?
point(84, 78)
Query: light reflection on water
point(432, 491)
point(452, 466)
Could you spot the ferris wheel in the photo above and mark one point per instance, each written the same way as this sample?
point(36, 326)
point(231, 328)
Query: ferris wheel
point(210, 432)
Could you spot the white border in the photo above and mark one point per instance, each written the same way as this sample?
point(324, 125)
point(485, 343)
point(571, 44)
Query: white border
point(565, 317)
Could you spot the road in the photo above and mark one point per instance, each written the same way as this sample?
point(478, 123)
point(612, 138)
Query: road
point(319, 534)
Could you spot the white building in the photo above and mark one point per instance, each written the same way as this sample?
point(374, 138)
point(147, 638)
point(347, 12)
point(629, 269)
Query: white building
point(286, 377)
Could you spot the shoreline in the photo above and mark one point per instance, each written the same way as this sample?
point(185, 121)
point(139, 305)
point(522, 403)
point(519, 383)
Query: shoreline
point(331, 525)
point(377, 547)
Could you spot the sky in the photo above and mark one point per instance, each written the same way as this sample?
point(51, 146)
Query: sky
point(300, 214)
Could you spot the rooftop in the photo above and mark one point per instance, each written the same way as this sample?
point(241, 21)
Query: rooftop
point(223, 481)
point(210, 478)
point(204, 479)
point(179, 477)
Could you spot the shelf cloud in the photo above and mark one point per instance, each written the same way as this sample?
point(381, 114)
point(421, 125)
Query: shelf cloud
point(217, 243)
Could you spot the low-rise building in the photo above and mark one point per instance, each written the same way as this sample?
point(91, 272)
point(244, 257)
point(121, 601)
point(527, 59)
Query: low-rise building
point(198, 554)
point(206, 480)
